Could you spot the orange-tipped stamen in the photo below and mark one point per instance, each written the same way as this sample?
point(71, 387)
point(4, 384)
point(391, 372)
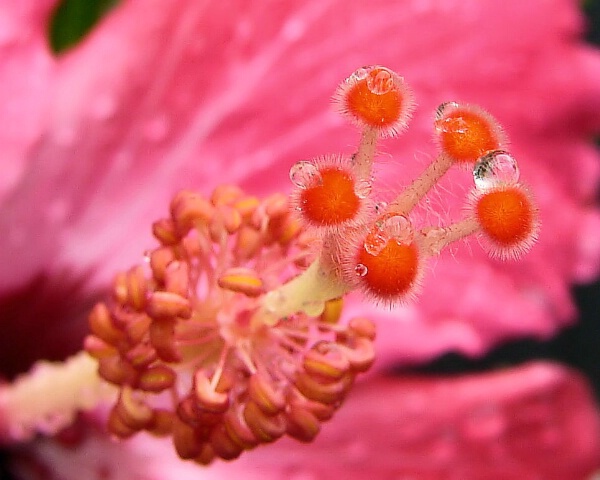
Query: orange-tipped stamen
point(333, 201)
point(376, 97)
point(327, 194)
point(466, 132)
point(391, 274)
point(507, 217)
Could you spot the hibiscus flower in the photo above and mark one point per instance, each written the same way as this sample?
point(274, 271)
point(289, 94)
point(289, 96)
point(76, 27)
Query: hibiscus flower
point(191, 94)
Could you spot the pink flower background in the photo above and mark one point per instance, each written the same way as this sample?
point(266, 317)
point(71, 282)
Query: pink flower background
point(189, 93)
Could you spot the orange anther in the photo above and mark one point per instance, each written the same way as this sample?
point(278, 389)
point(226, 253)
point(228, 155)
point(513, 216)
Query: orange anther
point(332, 201)
point(507, 216)
point(467, 132)
point(392, 273)
point(376, 97)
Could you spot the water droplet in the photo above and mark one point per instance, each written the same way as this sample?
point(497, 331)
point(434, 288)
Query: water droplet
point(147, 256)
point(495, 169)
point(157, 128)
point(388, 227)
point(359, 74)
point(439, 113)
point(399, 228)
point(363, 188)
point(304, 174)
point(380, 81)
point(375, 241)
point(361, 270)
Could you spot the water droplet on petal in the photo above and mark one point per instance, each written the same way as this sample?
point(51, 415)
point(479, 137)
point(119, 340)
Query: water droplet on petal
point(361, 270)
point(380, 81)
point(363, 188)
point(304, 174)
point(147, 256)
point(495, 169)
point(439, 112)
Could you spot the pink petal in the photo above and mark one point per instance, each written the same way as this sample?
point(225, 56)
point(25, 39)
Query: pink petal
point(26, 70)
point(191, 94)
point(533, 422)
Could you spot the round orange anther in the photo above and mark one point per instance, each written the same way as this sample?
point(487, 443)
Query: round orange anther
point(508, 218)
point(376, 97)
point(466, 132)
point(327, 195)
point(392, 273)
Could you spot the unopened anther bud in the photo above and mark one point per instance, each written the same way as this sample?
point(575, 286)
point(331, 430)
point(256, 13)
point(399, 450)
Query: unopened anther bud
point(266, 397)
point(168, 305)
point(302, 424)
point(242, 280)
point(266, 428)
point(133, 412)
point(207, 397)
point(156, 379)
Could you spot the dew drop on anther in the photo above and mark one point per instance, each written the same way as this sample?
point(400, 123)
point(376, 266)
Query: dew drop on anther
point(375, 241)
point(380, 81)
point(396, 227)
point(361, 270)
point(304, 174)
point(359, 74)
point(495, 169)
point(441, 110)
point(399, 228)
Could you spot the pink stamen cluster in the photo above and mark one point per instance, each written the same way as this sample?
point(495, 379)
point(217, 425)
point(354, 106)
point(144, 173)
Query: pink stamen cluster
point(196, 356)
